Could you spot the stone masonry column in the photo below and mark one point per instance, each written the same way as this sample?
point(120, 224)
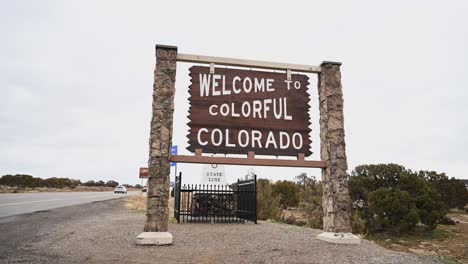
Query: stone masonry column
point(335, 201)
point(160, 142)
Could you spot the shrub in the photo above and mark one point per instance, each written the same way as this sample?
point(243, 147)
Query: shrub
point(426, 200)
point(268, 206)
point(28, 181)
point(452, 191)
point(111, 184)
point(89, 183)
point(98, 183)
point(288, 193)
point(394, 198)
point(368, 178)
point(301, 222)
point(358, 223)
point(290, 220)
point(310, 193)
point(21, 180)
point(393, 210)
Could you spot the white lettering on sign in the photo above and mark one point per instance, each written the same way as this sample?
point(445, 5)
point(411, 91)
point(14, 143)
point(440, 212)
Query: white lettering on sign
point(212, 111)
point(216, 78)
point(211, 85)
point(264, 109)
point(204, 84)
point(213, 173)
point(284, 139)
point(203, 143)
point(236, 79)
point(259, 85)
point(253, 139)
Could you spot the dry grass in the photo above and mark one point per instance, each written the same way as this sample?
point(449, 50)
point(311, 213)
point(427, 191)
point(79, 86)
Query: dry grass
point(446, 241)
point(138, 203)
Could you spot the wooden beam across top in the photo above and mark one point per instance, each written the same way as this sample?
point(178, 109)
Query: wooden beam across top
point(247, 63)
point(250, 161)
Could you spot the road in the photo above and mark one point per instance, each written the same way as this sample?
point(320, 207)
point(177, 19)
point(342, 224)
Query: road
point(20, 203)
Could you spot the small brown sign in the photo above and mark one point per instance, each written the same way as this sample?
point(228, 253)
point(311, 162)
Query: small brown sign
point(234, 111)
point(144, 173)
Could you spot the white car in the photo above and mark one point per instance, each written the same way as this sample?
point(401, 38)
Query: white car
point(120, 189)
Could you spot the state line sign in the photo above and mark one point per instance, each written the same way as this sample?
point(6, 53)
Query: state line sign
point(233, 111)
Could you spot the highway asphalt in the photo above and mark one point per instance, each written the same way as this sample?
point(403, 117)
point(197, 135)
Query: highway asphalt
point(20, 203)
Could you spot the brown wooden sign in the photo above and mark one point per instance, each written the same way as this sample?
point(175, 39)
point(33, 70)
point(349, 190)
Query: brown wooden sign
point(144, 173)
point(234, 111)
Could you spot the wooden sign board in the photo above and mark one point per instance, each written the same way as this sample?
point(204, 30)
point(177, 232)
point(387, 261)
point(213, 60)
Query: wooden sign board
point(144, 173)
point(234, 111)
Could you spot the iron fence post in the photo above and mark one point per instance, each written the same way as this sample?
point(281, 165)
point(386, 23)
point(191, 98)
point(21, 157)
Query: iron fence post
point(255, 195)
point(178, 187)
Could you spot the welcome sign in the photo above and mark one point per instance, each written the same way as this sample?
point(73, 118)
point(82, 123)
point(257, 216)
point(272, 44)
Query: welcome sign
point(233, 111)
point(241, 111)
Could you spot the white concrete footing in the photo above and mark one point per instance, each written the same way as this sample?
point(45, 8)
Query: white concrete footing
point(339, 238)
point(154, 238)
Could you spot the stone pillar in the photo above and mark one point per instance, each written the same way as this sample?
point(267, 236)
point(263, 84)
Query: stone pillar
point(335, 200)
point(160, 142)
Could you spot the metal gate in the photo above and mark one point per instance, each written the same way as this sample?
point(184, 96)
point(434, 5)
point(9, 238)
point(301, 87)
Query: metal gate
point(202, 203)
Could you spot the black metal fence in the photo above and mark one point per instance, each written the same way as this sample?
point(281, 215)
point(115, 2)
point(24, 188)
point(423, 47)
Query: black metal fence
point(201, 203)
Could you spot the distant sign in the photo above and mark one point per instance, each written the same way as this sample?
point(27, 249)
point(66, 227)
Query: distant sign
point(144, 173)
point(235, 111)
point(173, 152)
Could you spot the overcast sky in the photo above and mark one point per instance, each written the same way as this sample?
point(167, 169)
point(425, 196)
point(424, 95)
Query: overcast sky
point(76, 78)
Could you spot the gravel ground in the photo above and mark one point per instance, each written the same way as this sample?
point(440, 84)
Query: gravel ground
point(104, 232)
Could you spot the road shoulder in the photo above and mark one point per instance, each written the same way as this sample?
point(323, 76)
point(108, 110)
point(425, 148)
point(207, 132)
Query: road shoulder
point(104, 232)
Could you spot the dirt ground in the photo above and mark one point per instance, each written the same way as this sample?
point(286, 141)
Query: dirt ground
point(446, 242)
point(105, 232)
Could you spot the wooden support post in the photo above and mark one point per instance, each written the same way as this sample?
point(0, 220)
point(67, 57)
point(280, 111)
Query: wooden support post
point(198, 152)
point(301, 156)
point(249, 161)
point(247, 63)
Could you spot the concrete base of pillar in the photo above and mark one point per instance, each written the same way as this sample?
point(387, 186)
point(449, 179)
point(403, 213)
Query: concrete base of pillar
point(339, 238)
point(154, 238)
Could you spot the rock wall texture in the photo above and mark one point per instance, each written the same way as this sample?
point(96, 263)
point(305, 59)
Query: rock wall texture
point(160, 142)
point(336, 200)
